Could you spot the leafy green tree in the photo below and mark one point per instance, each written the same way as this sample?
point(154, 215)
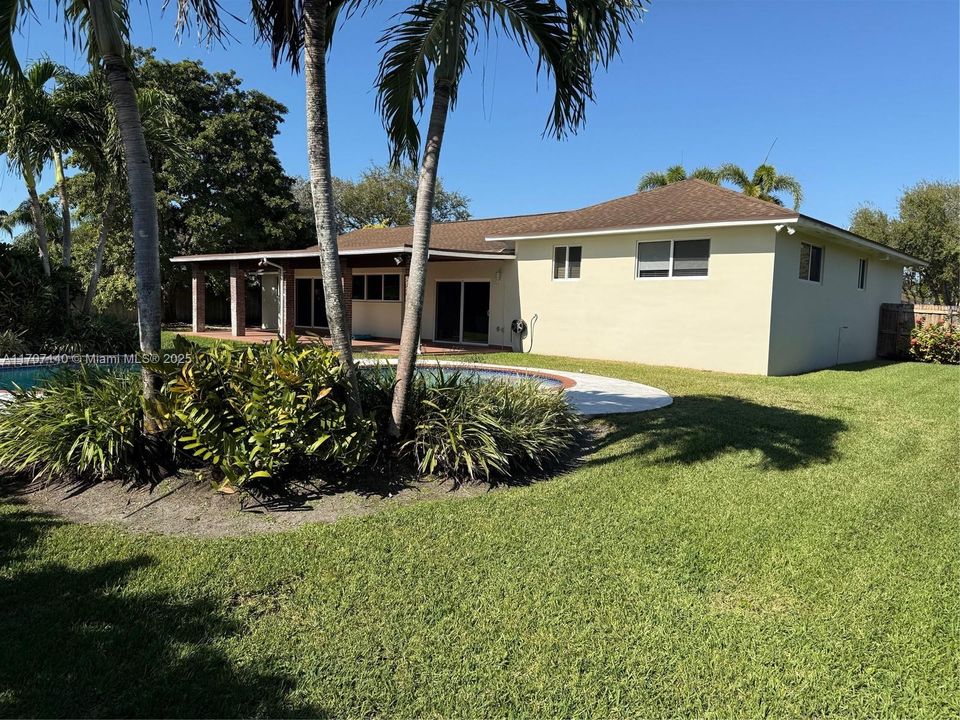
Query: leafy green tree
point(676, 173)
point(927, 227)
point(27, 131)
point(765, 183)
point(437, 36)
point(383, 196)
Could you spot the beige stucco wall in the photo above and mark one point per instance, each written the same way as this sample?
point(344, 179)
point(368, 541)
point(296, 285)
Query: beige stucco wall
point(817, 325)
point(720, 322)
point(384, 318)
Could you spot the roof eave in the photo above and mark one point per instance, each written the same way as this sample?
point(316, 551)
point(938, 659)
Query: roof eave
point(791, 218)
point(849, 238)
point(310, 252)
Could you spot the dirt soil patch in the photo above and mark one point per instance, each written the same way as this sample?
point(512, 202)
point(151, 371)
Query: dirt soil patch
point(186, 505)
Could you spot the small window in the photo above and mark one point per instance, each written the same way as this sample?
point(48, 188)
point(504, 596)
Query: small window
point(811, 262)
point(653, 259)
point(566, 262)
point(359, 287)
point(690, 258)
point(391, 287)
point(374, 287)
point(862, 274)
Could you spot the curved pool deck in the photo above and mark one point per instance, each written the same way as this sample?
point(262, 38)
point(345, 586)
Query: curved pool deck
point(590, 394)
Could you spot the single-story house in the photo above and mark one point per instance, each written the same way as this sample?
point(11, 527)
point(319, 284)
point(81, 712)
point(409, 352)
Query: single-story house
point(691, 275)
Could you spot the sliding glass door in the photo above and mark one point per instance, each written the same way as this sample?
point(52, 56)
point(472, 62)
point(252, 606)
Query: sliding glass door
point(463, 312)
point(310, 305)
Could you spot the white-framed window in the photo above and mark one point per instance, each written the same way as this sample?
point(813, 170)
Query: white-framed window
point(673, 258)
point(811, 262)
point(566, 262)
point(862, 274)
point(377, 287)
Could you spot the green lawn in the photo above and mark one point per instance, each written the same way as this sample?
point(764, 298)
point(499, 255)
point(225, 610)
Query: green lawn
point(765, 547)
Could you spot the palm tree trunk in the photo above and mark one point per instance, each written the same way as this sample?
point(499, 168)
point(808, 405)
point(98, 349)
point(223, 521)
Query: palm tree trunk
point(321, 187)
point(67, 248)
point(422, 219)
point(105, 221)
point(143, 200)
point(39, 223)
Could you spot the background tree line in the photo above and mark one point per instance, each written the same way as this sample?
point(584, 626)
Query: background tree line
point(220, 185)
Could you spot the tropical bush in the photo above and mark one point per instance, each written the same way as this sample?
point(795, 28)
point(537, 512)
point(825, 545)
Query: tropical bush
point(11, 344)
point(84, 424)
point(261, 411)
point(464, 428)
point(935, 343)
point(99, 334)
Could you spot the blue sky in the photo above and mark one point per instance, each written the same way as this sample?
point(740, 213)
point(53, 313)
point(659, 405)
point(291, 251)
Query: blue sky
point(862, 98)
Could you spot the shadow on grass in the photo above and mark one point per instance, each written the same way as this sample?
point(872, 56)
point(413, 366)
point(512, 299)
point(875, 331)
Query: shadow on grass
point(699, 428)
point(80, 642)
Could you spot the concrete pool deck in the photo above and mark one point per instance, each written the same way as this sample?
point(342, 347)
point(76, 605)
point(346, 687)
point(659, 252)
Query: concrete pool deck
point(590, 394)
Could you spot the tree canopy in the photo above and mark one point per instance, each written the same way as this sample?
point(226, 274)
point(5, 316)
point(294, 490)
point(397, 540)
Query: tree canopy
point(383, 196)
point(927, 227)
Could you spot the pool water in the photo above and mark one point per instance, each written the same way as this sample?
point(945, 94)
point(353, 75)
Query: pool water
point(27, 377)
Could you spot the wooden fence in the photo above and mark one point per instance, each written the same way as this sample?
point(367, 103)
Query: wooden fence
point(898, 319)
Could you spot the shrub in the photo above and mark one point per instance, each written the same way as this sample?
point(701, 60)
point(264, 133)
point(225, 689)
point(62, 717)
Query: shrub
point(83, 424)
point(101, 334)
point(12, 344)
point(464, 428)
point(262, 410)
point(935, 343)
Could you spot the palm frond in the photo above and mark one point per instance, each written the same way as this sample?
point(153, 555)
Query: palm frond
point(652, 180)
point(788, 184)
point(734, 174)
point(706, 173)
point(206, 15)
point(411, 47)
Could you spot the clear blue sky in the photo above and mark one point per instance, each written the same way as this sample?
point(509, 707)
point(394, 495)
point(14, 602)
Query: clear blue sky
point(863, 99)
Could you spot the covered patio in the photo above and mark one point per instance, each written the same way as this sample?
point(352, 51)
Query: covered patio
point(468, 305)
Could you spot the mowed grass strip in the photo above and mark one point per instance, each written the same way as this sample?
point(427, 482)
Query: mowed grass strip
point(765, 546)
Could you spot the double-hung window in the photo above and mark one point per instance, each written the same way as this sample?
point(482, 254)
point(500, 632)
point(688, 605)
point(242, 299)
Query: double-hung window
point(566, 262)
point(382, 287)
point(862, 274)
point(811, 262)
point(673, 258)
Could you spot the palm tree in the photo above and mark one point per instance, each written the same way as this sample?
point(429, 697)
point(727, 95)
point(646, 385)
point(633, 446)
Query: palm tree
point(436, 35)
point(103, 27)
point(96, 145)
point(676, 173)
point(26, 133)
point(764, 183)
point(291, 28)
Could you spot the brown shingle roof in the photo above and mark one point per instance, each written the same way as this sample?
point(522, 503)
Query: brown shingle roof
point(682, 203)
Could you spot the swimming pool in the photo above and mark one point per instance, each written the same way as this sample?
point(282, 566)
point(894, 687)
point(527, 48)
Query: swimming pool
point(30, 376)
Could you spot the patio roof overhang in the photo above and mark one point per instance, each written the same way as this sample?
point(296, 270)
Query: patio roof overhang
point(312, 253)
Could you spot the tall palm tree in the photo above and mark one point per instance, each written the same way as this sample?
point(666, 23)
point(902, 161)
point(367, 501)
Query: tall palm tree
point(676, 173)
point(292, 28)
point(436, 36)
point(27, 121)
point(765, 183)
point(103, 27)
point(97, 147)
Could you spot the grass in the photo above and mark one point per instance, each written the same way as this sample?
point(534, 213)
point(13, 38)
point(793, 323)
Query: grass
point(765, 546)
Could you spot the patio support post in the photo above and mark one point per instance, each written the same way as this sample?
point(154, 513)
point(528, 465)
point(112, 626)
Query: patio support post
point(287, 300)
point(198, 288)
point(238, 300)
point(346, 276)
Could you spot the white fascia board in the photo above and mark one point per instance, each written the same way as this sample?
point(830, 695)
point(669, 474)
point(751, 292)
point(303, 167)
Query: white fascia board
point(282, 254)
point(848, 238)
point(641, 229)
point(470, 255)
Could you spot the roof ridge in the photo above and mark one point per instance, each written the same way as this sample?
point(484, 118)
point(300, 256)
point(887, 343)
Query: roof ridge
point(765, 203)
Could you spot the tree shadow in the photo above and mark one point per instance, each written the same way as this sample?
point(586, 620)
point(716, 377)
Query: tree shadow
point(83, 643)
point(699, 428)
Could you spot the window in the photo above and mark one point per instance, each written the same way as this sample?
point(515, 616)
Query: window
point(811, 262)
point(377, 287)
point(311, 310)
point(673, 258)
point(862, 274)
point(566, 262)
